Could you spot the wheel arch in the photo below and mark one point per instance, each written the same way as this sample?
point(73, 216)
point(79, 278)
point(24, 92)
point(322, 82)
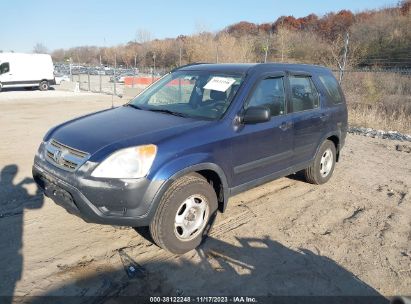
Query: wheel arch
point(212, 172)
point(333, 137)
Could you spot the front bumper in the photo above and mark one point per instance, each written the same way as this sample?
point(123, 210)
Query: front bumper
point(103, 201)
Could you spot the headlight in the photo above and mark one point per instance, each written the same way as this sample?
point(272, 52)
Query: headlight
point(132, 162)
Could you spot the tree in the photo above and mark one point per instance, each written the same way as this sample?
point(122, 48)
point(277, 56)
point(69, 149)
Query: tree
point(283, 41)
point(40, 48)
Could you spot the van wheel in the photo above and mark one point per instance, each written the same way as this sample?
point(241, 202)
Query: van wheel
point(44, 85)
point(322, 168)
point(1, 86)
point(185, 214)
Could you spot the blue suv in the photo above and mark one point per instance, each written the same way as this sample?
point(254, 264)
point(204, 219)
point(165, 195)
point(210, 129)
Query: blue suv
point(171, 157)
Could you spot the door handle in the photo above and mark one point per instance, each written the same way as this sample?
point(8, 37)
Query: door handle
point(285, 125)
point(322, 116)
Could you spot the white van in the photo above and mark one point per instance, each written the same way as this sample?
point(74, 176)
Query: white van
point(26, 70)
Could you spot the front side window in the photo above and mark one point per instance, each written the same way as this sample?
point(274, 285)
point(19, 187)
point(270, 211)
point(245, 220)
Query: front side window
point(197, 94)
point(269, 93)
point(4, 67)
point(304, 95)
point(332, 87)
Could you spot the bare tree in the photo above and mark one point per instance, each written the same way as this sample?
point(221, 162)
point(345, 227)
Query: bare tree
point(283, 42)
point(143, 36)
point(40, 48)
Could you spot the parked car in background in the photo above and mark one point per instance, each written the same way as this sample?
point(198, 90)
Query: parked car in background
point(175, 154)
point(26, 70)
point(61, 77)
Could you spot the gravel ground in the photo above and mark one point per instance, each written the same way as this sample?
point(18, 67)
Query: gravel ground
point(351, 236)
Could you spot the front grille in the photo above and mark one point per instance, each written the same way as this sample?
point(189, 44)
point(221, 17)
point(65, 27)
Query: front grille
point(65, 157)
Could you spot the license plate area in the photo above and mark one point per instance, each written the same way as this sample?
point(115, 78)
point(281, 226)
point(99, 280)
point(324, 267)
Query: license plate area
point(60, 196)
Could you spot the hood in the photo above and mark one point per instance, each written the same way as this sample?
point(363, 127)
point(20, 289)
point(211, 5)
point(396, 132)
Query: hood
point(115, 126)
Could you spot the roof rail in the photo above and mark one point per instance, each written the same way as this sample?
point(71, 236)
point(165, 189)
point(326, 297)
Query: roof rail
point(187, 65)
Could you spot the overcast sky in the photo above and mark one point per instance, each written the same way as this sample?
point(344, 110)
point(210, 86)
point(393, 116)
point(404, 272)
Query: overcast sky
point(64, 24)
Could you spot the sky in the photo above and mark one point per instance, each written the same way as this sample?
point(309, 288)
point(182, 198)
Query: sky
point(64, 24)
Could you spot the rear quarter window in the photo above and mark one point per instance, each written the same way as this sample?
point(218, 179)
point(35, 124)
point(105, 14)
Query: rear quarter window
point(332, 87)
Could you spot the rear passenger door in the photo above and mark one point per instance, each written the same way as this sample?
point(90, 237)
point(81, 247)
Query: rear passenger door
point(307, 117)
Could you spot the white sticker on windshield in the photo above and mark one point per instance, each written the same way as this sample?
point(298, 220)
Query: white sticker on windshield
point(219, 84)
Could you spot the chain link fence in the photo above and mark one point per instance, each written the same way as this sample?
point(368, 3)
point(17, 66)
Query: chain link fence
point(107, 79)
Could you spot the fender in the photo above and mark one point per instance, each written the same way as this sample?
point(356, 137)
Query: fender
point(180, 167)
point(336, 133)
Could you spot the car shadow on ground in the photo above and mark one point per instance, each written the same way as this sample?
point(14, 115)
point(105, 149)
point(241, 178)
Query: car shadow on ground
point(14, 199)
point(244, 267)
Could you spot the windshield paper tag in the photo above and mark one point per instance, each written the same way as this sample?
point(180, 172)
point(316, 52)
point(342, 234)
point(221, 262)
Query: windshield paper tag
point(219, 84)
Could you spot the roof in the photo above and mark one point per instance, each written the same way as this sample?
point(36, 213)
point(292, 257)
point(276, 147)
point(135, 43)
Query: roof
point(248, 67)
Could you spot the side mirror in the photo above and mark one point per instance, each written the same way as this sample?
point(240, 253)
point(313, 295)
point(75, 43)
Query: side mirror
point(255, 115)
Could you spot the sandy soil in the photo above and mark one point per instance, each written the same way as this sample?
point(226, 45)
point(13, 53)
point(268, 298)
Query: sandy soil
point(351, 236)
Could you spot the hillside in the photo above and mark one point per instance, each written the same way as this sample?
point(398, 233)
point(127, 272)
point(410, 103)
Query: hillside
point(378, 38)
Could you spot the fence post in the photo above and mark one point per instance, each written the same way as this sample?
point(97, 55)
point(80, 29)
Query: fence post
point(88, 76)
point(114, 74)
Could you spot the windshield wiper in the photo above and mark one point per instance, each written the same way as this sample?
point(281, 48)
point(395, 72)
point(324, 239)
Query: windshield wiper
point(167, 112)
point(134, 106)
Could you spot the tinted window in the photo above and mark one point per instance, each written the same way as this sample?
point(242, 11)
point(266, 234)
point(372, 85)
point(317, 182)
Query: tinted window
point(4, 67)
point(304, 95)
point(269, 93)
point(332, 87)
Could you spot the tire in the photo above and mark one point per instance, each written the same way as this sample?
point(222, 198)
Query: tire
point(184, 215)
point(323, 166)
point(44, 85)
point(1, 86)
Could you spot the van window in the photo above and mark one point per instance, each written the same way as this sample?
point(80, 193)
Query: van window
point(332, 87)
point(304, 95)
point(4, 67)
point(269, 93)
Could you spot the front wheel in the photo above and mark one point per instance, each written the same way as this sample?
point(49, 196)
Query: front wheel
point(323, 166)
point(44, 85)
point(184, 215)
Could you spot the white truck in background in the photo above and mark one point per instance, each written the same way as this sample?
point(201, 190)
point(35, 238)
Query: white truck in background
point(26, 70)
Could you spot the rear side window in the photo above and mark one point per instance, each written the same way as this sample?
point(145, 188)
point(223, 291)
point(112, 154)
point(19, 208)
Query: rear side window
point(269, 93)
point(304, 95)
point(4, 67)
point(332, 87)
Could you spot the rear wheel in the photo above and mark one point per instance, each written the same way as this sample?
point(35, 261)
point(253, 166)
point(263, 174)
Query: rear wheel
point(1, 86)
point(184, 215)
point(44, 85)
point(322, 168)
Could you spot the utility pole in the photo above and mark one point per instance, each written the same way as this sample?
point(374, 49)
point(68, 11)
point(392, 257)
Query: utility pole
point(181, 52)
point(347, 40)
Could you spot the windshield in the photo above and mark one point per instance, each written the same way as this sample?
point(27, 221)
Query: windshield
point(197, 94)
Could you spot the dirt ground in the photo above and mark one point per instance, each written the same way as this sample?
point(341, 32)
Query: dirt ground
point(351, 236)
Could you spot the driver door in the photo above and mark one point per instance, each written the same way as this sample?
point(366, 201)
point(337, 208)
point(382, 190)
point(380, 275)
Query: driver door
point(262, 150)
